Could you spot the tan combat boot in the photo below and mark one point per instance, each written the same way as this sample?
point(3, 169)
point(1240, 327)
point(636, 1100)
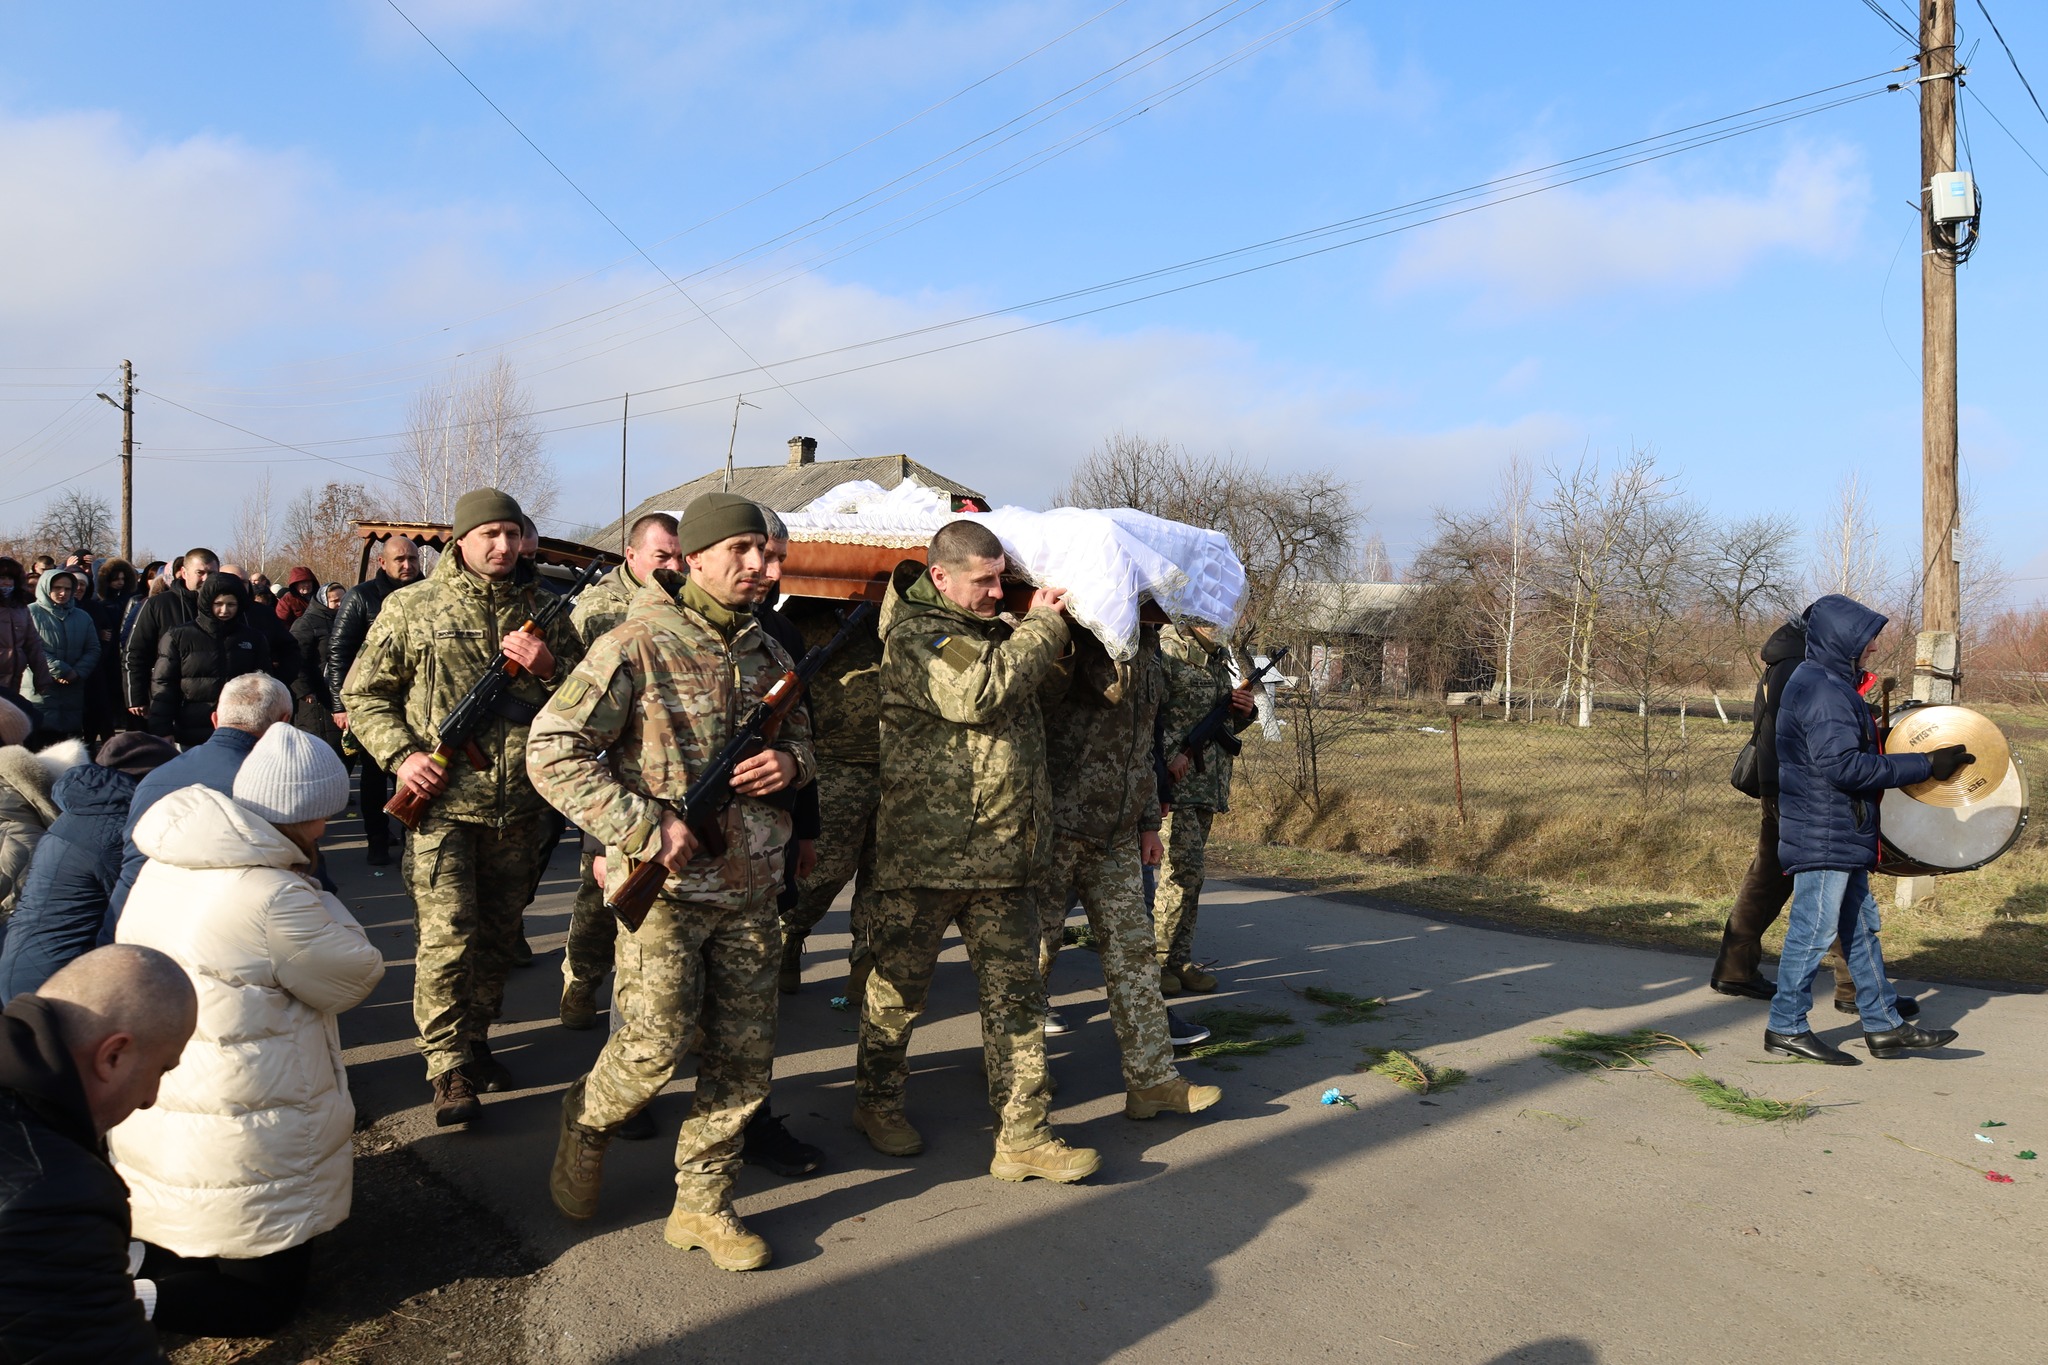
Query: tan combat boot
point(1194, 978)
point(889, 1134)
point(1169, 980)
point(1051, 1160)
point(579, 1161)
point(721, 1234)
point(1176, 1096)
point(789, 978)
point(579, 1005)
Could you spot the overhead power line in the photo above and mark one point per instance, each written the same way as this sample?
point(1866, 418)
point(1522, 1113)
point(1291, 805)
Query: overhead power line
point(2007, 131)
point(623, 234)
point(2015, 64)
point(1383, 223)
point(1881, 12)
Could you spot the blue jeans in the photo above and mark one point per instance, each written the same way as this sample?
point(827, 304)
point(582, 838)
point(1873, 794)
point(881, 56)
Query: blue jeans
point(1827, 904)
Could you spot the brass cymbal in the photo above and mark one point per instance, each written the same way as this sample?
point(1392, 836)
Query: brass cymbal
point(1933, 727)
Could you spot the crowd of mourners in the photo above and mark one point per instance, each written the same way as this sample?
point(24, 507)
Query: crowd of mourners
point(175, 1118)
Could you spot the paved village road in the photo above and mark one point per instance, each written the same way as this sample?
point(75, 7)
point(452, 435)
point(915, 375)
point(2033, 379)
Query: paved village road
point(1529, 1214)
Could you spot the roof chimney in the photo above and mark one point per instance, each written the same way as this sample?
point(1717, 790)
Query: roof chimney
point(803, 450)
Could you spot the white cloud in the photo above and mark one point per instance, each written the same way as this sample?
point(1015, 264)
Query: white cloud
point(1648, 231)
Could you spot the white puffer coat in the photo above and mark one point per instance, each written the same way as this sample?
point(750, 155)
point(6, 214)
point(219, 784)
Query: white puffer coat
point(247, 1150)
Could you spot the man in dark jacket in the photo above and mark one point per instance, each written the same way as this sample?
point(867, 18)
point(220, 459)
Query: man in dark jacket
point(1830, 777)
point(249, 705)
point(398, 565)
point(316, 705)
point(64, 911)
point(75, 1059)
point(106, 710)
point(159, 616)
point(196, 660)
point(1766, 886)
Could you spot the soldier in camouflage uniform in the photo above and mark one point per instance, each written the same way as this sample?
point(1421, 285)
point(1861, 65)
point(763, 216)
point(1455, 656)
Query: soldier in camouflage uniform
point(1105, 814)
point(470, 864)
point(618, 747)
point(650, 545)
point(1197, 677)
point(846, 711)
point(959, 838)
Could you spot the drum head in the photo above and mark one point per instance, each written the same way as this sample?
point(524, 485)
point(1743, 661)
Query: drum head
point(1956, 838)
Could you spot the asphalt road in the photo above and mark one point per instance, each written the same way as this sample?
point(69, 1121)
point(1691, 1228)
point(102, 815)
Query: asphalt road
point(1528, 1214)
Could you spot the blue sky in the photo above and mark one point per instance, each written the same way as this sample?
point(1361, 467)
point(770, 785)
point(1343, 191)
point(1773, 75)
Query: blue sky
point(291, 217)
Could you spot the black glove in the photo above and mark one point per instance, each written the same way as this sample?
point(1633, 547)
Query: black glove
point(1945, 762)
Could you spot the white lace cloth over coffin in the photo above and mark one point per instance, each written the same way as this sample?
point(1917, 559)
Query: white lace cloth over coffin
point(1105, 559)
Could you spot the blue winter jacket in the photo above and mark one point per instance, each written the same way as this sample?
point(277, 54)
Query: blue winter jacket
point(62, 913)
point(1830, 773)
point(212, 764)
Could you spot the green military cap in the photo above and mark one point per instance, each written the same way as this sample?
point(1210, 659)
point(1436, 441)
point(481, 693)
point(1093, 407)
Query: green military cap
point(718, 516)
point(481, 506)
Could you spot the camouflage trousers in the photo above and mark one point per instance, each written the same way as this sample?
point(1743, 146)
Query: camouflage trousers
point(692, 967)
point(1111, 885)
point(1186, 836)
point(1001, 931)
point(848, 796)
point(470, 885)
point(587, 956)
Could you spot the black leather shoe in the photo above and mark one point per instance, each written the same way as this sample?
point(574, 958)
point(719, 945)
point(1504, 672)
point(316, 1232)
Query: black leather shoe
point(1807, 1045)
point(1758, 989)
point(1897, 1042)
point(1908, 1007)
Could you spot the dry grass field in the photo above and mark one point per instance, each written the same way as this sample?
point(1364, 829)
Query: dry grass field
point(1626, 831)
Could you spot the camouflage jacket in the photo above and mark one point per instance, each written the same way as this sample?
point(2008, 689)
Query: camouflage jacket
point(426, 649)
point(642, 716)
point(1195, 681)
point(603, 604)
point(1098, 746)
point(964, 797)
point(846, 696)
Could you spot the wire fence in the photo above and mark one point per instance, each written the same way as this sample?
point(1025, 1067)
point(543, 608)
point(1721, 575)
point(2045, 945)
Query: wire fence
point(1636, 798)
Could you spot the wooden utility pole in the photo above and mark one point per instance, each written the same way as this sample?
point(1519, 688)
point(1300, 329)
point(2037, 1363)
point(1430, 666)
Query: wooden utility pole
point(128, 461)
point(1935, 662)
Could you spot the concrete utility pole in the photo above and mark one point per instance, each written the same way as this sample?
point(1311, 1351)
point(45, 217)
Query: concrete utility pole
point(127, 407)
point(1936, 657)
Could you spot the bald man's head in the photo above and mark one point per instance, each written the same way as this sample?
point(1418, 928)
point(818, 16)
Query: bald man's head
point(125, 1013)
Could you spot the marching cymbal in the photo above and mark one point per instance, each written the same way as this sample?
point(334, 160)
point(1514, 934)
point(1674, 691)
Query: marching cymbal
point(1933, 727)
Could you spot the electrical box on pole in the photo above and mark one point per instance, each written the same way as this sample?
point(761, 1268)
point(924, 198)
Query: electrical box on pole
point(1952, 197)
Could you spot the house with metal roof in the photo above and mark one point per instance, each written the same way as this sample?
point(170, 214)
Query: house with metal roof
point(793, 484)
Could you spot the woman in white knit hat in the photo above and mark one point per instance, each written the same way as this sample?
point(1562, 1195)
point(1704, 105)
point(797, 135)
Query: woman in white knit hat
point(245, 1157)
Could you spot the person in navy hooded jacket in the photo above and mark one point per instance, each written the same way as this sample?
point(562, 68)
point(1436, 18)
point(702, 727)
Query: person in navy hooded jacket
point(1830, 776)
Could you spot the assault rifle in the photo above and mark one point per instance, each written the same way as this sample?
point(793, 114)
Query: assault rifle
point(480, 705)
point(632, 896)
point(1215, 728)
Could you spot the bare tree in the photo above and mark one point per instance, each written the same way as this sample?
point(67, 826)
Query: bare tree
point(253, 536)
point(473, 431)
point(1588, 512)
point(320, 529)
point(1849, 555)
point(74, 521)
point(1748, 572)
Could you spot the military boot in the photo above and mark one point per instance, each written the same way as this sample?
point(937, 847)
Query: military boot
point(720, 1233)
point(486, 1072)
point(579, 1161)
point(789, 979)
point(579, 1004)
point(1176, 1096)
point(1050, 1160)
point(1169, 980)
point(1194, 978)
point(522, 952)
point(455, 1099)
point(889, 1134)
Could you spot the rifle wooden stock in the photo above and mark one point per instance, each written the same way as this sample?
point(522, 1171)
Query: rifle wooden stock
point(406, 805)
point(631, 898)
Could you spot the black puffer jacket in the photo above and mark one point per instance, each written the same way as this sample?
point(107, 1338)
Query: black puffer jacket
point(283, 664)
point(65, 1295)
point(310, 633)
point(158, 617)
point(196, 660)
point(1781, 654)
point(359, 607)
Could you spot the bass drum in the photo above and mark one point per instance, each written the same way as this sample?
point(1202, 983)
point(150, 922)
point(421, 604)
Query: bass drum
point(1935, 828)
